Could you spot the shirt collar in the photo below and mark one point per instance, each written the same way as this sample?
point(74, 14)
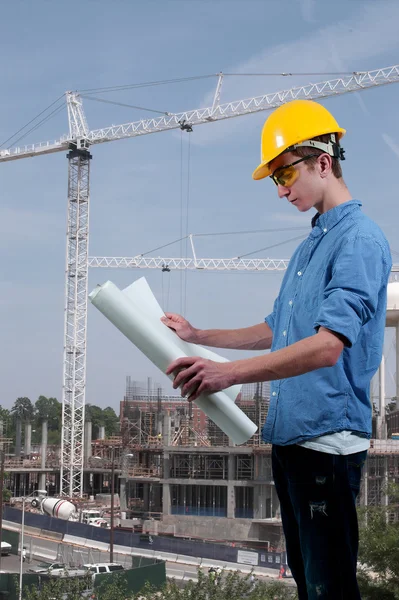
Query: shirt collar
point(330, 218)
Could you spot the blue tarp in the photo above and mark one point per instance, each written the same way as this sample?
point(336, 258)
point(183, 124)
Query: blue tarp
point(132, 540)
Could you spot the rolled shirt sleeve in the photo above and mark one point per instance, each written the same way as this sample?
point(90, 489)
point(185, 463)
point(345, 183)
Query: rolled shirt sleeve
point(271, 319)
point(352, 295)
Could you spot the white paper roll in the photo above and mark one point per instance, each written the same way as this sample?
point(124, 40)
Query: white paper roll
point(140, 293)
point(160, 345)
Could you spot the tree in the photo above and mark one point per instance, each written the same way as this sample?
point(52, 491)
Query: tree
point(7, 495)
point(102, 418)
point(379, 549)
point(8, 424)
point(94, 414)
point(111, 422)
point(66, 588)
point(232, 586)
point(50, 410)
point(112, 589)
point(23, 410)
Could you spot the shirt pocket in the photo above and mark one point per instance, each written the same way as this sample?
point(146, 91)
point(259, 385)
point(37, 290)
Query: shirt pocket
point(314, 284)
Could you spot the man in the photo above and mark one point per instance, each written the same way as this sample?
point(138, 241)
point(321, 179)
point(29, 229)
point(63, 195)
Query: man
point(326, 334)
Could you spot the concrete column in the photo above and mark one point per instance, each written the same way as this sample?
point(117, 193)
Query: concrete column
point(166, 429)
point(263, 469)
point(42, 481)
point(231, 500)
point(43, 447)
point(18, 439)
point(166, 474)
point(122, 493)
point(43, 454)
point(165, 499)
point(101, 432)
point(28, 439)
point(259, 502)
point(231, 467)
point(87, 441)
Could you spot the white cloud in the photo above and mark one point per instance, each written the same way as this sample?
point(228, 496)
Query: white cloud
point(368, 34)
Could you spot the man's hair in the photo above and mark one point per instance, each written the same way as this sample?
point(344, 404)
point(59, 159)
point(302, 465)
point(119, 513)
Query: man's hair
point(303, 151)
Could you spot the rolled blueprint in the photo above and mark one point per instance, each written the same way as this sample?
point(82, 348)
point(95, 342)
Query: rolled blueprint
point(162, 346)
point(140, 293)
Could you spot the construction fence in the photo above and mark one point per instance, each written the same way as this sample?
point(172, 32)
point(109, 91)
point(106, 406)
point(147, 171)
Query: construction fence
point(171, 545)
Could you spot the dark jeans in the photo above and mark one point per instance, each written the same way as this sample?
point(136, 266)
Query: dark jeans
point(317, 493)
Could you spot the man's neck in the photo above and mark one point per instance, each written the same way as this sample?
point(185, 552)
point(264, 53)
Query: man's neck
point(337, 194)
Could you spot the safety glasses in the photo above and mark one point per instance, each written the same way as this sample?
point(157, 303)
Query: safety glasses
point(287, 174)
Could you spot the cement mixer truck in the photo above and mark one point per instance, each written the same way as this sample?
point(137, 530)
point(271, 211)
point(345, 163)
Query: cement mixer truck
point(54, 507)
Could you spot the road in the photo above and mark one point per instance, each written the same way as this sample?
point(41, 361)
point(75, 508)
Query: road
point(41, 549)
point(12, 563)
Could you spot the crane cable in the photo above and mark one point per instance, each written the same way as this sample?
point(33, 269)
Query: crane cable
point(299, 237)
point(187, 217)
point(181, 239)
point(129, 86)
point(56, 110)
point(119, 88)
point(159, 112)
point(181, 218)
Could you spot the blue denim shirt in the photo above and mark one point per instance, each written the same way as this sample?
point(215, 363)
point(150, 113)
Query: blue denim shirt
point(337, 278)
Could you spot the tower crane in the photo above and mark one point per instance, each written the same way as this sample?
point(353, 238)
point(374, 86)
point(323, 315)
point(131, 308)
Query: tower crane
point(77, 144)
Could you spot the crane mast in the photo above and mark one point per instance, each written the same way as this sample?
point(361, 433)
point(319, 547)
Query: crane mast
point(75, 323)
point(77, 144)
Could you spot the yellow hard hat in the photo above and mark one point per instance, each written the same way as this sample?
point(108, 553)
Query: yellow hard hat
point(289, 125)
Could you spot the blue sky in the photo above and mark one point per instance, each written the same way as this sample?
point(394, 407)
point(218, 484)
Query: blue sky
point(136, 185)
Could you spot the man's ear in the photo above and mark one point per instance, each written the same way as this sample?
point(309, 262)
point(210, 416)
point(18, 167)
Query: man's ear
point(325, 164)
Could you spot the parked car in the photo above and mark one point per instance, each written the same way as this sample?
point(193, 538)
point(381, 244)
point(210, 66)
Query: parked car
point(99, 568)
point(53, 568)
point(99, 523)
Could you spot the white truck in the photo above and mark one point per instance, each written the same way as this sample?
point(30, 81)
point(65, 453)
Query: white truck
point(5, 548)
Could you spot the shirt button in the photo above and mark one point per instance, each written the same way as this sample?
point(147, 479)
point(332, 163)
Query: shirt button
point(284, 333)
point(290, 302)
point(274, 394)
point(299, 273)
point(325, 229)
point(310, 243)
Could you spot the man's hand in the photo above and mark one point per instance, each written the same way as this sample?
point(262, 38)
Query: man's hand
point(181, 326)
point(198, 376)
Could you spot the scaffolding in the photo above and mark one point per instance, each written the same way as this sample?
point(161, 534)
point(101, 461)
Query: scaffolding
point(198, 466)
point(186, 435)
point(171, 441)
point(244, 467)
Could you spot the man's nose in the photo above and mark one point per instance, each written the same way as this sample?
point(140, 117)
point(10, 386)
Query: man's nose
point(282, 191)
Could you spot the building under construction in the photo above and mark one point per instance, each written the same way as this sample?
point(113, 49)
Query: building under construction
point(183, 476)
point(177, 473)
